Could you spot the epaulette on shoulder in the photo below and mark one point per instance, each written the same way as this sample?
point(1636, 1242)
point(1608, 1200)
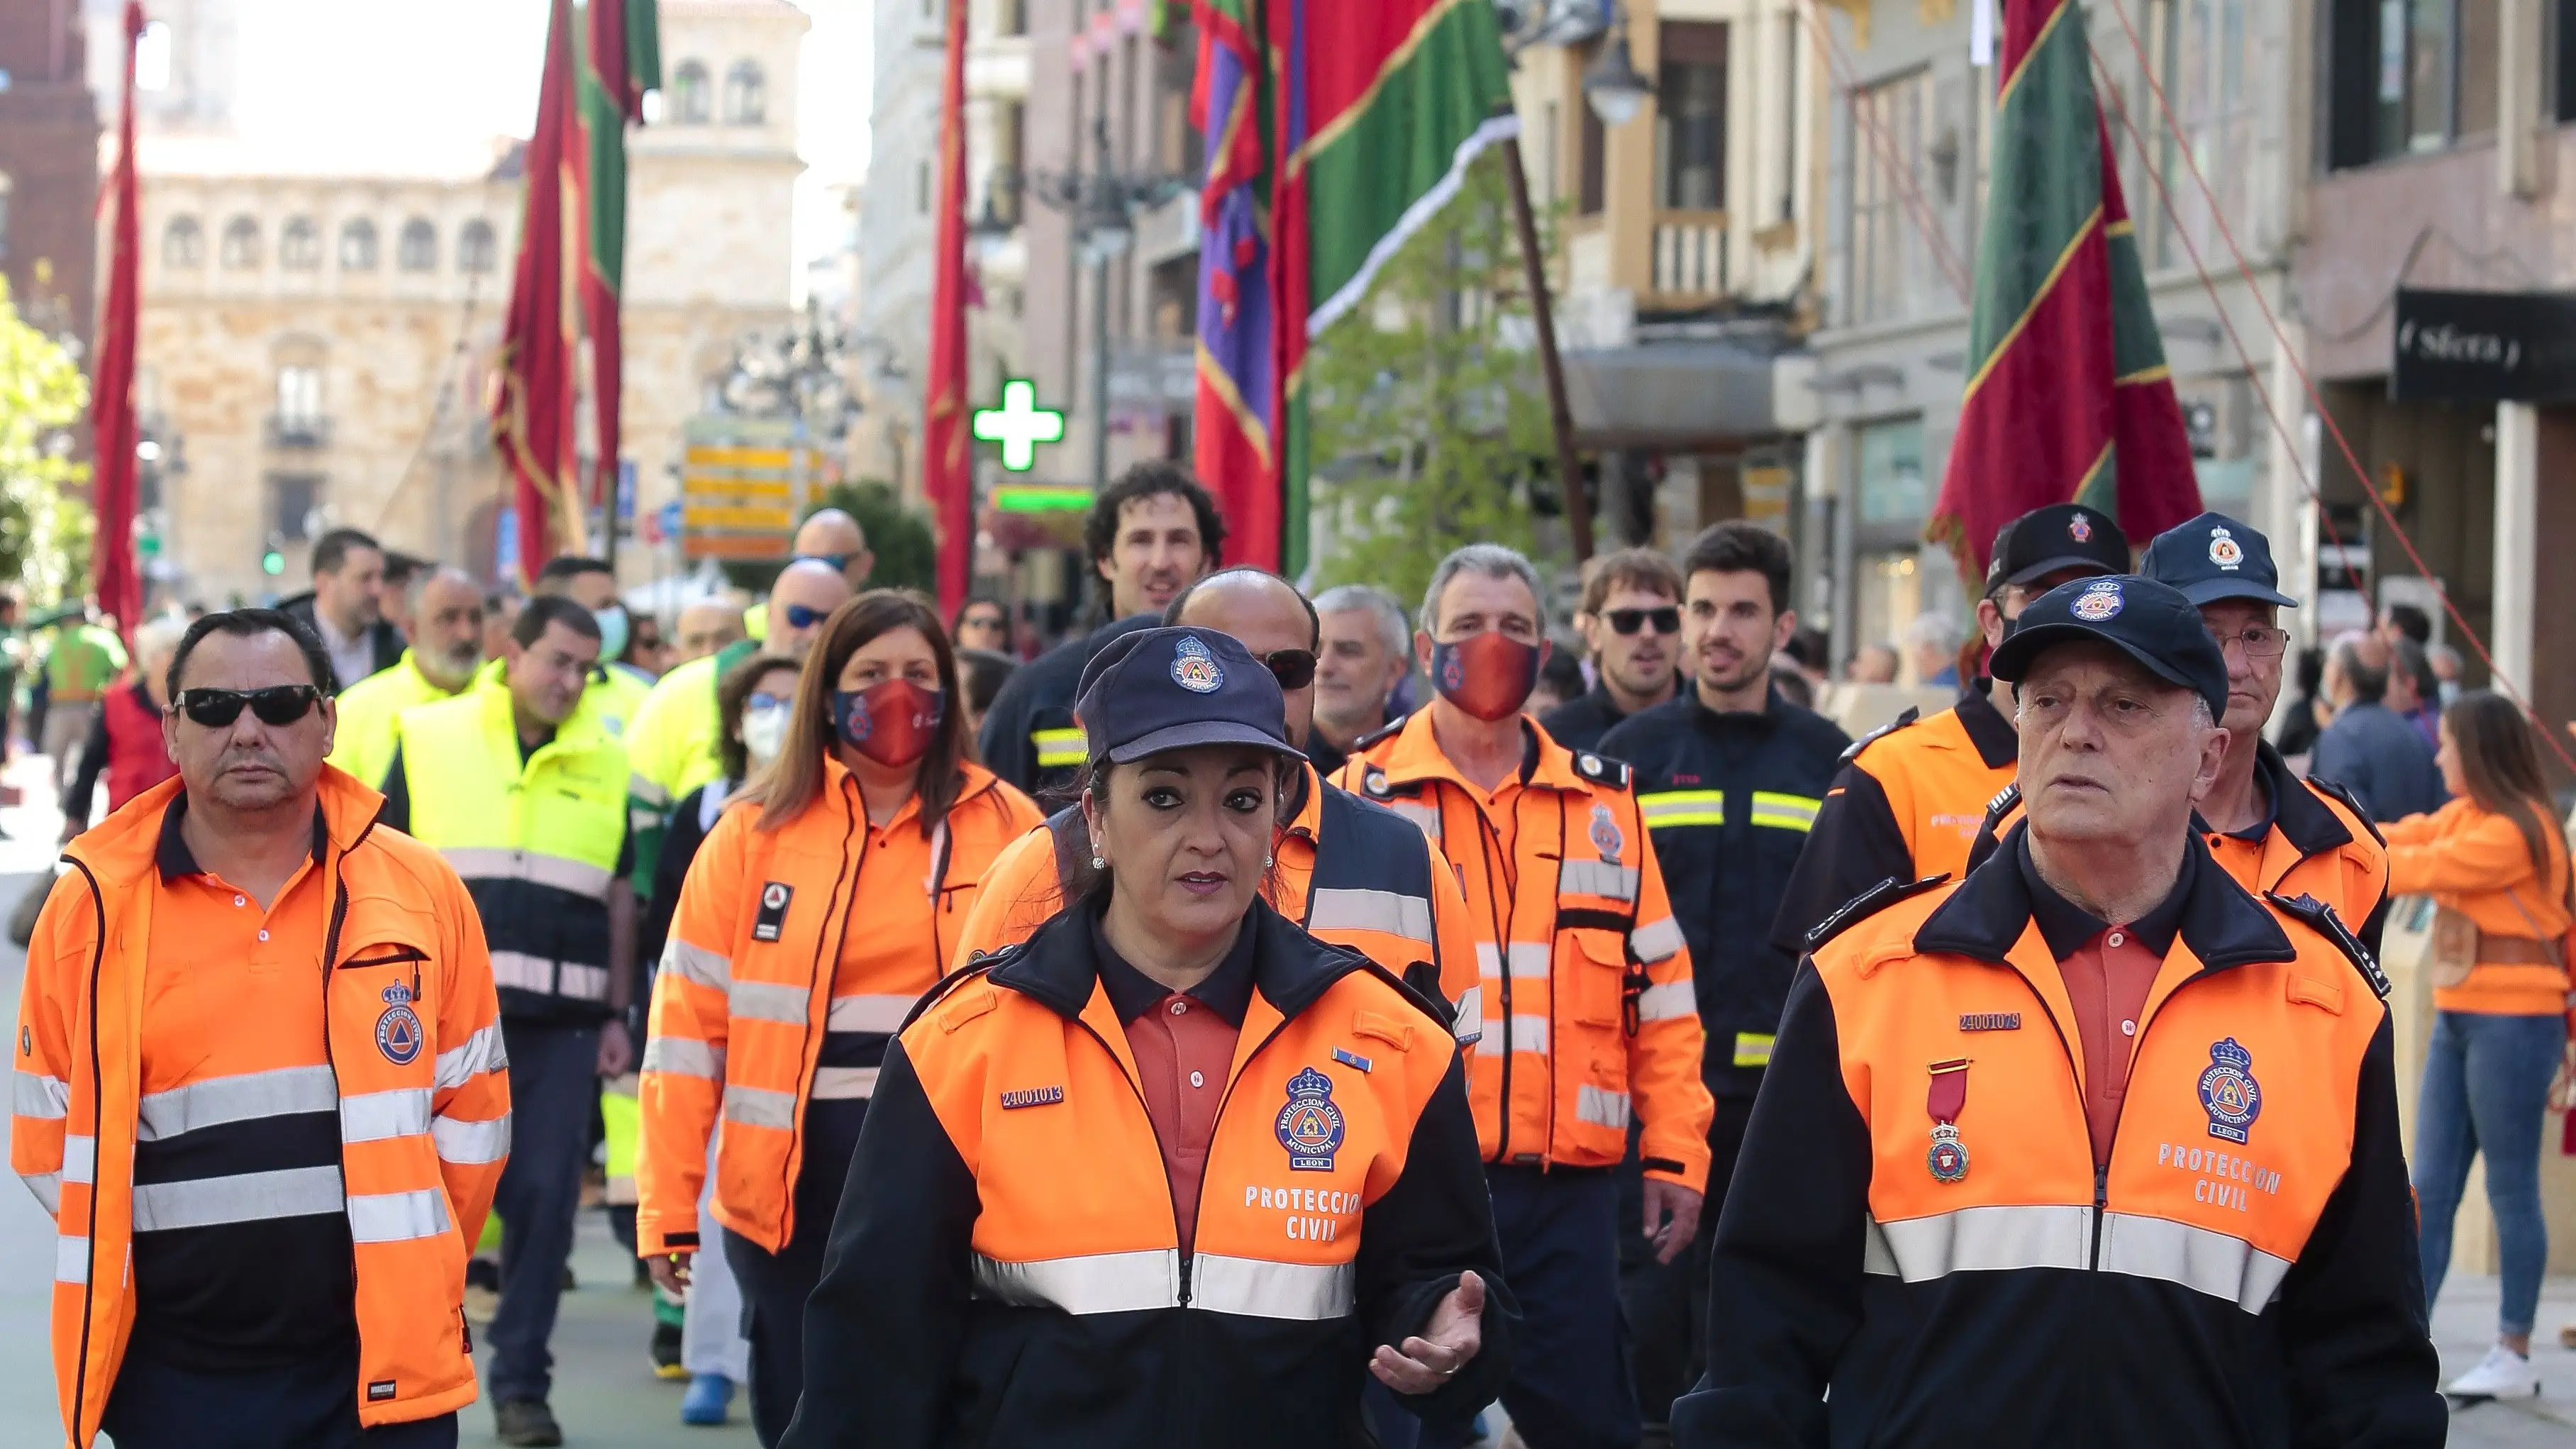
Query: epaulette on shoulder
point(1440, 1015)
point(1379, 736)
point(1912, 713)
point(2001, 806)
point(1603, 770)
point(974, 970)
point(2321, 918)
point(1868, 903)
point(2351, 802)
point(1374, 785)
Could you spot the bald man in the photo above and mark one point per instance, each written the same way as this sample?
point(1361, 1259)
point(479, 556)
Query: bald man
point(831, 538)
point(671, 742)
point(706, 627)
point(442, 616)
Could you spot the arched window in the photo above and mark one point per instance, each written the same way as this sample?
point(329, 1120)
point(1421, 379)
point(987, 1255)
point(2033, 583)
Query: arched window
point(299, 247)
point(183, 243)
point(358, 246)
point(241, 244)
point(689, 94)
point(477, 251)
point(418, 249)
point(746, 98)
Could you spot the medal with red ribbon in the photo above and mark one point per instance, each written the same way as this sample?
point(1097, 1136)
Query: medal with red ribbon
point(1948, 1159)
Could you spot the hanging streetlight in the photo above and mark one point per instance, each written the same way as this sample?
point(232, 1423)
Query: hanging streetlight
point(1611, 83)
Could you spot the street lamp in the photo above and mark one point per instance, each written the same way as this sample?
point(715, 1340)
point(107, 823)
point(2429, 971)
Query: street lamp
point(1611, 83)
point(1102, 203)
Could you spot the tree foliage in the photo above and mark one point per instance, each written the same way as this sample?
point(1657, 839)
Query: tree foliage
point(1428, 413)
point(44, 535)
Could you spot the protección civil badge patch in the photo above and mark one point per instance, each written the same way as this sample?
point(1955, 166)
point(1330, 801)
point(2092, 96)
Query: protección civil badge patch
point(398, 1033)
point(1310, 1126)
point(2229, 1093)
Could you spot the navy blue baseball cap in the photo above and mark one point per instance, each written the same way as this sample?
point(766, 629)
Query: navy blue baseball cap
point(2214, 557)
point(2059, 536)
point(1171, 689)
point(2150, 622)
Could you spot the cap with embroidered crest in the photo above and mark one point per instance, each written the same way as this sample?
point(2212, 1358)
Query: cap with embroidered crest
point(1171, 689)
point(2151, 622)
point(2214, 557)
point(2058, 537)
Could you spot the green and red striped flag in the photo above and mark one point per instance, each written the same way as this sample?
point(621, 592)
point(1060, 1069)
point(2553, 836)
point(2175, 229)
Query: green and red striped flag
point(621, 61)
point(2068, 396)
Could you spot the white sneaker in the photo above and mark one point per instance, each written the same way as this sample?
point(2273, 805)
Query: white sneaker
point(2502, 1374)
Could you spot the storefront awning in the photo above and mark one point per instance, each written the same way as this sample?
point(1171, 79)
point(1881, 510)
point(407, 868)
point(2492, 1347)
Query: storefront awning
point(1672, 394)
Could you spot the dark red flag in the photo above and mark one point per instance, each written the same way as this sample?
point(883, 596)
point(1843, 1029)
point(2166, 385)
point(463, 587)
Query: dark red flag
point(119, 587)
point(947, 464)
point(533, 404)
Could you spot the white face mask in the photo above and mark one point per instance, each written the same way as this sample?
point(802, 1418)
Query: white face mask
point(764, 732)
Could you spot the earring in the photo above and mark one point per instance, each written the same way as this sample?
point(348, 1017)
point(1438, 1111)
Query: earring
point(1266, 862)
point(1098, 864)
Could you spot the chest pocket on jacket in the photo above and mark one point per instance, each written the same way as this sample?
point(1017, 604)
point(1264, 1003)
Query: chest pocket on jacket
point(1599, 968)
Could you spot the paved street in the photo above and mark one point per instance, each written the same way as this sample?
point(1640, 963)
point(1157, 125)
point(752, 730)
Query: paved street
point(607, 1396)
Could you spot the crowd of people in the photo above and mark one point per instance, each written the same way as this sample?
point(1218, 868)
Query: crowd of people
point(1266, 1019)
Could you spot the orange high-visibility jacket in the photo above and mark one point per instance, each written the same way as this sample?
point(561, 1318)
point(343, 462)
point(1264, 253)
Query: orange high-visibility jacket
point(2241, 1271)
point(422, 1141)
point(1589, 1013)
point(746, 993)
point(2473, 860)
point(1354, 874)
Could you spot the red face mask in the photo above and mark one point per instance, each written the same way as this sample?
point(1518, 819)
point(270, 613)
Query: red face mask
point(891, 722)
point(1489, 675)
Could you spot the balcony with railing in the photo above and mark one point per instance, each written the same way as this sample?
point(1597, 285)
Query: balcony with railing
point(1689, 257)
point(298, 433)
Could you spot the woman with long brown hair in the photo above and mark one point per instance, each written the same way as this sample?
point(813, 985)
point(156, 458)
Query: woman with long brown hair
point(2495, 862)
point(828, 898)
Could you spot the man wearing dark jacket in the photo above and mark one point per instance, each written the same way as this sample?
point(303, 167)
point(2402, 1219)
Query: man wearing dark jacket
point(2370, 749)
point(2093, 1147)
point(1631, 620)
point(1729, 777)
point(343, 608)
point(1150, 536)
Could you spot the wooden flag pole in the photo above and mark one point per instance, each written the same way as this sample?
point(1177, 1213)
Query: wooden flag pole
point(1560, 413)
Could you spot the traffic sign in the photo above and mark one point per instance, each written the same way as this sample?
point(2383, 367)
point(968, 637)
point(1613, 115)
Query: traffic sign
point(743, 483)
point(1019, 425)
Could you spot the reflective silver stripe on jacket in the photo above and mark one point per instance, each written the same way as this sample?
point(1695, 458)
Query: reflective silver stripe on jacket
point(1095, 1283)
point(768, 1001)
point(2206, 1261)
point(522, 972)
point(71, 1260)
point(482, 1052)
point(1656, 940)
point(843, 1084)
point(573, 877)
point(759, 1107)
point(1665, 1002)
point(398, 1217)
point(881, 1014)
point(43, 1097)
point(1391, 912)
point(284, 1092)
point(1597, 878)
point(1471, 1014)
point(247, 1197)
point(1258, 1288)
point(48, 1188)
point(1425, 817)
point(465, 1141)
point(1528, 1034)
point(697, 965)
point(1980, 1240)
point(681, 1057)
point(1529, 960)
point(376, 1116)
point(1601, 1108)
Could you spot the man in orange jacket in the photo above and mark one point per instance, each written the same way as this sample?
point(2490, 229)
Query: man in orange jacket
point(265, 1193)
point(1350, 872)
point(1589, 1013)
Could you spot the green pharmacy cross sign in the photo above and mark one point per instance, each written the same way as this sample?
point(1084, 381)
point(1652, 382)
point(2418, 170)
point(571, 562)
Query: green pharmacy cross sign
point(1019, 425)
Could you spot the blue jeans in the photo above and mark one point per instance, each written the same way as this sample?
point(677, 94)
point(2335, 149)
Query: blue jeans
point(554, 1083)
point(2486, 1089)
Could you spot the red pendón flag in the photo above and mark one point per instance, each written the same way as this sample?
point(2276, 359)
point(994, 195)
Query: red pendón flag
point(534, 399)
point(947, 463)
point(112, 570)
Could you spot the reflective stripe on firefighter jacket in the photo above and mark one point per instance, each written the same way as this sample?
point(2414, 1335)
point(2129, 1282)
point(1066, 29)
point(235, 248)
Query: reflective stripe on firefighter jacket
point(2242, 1271)
point(2320, 843)
point(747, 1027)
point(1729, 797)
point(1589, 1016)
point(535, 841)
point(1354, 874)
point(1017, 1276)
point(424, 1121)
point(1905, 806)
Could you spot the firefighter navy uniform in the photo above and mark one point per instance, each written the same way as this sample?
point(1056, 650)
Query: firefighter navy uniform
point(1030, 737)
point(1590, 1021)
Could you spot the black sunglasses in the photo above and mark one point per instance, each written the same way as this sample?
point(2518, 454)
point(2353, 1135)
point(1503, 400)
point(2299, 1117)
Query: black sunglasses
point(1293, 668)
point(801, 617)
point(1624, 622)
point(279, 704)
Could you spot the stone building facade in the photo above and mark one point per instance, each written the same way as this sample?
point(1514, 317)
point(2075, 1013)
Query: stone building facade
point(49, 167)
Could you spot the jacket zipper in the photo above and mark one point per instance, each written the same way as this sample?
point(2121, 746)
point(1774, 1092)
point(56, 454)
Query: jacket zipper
point(89, 1273)
point(814, 1039)
point(330, 951)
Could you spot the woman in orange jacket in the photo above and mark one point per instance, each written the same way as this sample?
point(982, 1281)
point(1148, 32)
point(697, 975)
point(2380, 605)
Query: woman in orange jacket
point(826, 900)
point(2496, 857)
